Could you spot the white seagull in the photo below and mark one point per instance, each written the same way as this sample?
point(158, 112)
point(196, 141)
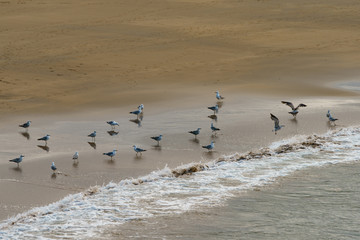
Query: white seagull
point(277, 126)
point(210, 146)
point(25, 125)
point(111, 154)
point(218, 96)
point(331, 119)
point(138, 150)
point(17, 160)
point(113, 123)
point(53, 167)
point(295, 110)
point(76, 156)
point(92, 135)
point(45, 138)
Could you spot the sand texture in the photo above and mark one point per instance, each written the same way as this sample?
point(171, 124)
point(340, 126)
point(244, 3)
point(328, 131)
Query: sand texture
point(62, 55)
point(71, 65)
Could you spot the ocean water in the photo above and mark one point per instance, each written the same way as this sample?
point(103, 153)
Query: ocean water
point(238, 196)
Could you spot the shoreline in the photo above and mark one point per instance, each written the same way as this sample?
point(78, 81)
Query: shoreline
point(70, 65)
point(177, 147)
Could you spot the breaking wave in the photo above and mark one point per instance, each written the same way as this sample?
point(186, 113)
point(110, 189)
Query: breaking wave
point(174, 191)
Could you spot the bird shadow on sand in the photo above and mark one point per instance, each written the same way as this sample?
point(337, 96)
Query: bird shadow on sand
point(25, 135)
point(136, 121)
point(92, 144)
point(214, 135)
point(44, 147)
point(53, 175)
point(138, 157)
point(293, 121)
point(331, 126)
point(213, 117)
point(209, 154)
point(220, 104)
point(195, 141)
point(17, 169)
point(156, 147)
point(112, 133)
point(110, 161)
point(75, 164)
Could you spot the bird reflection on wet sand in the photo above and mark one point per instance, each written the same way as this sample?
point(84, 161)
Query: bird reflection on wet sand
point(136, 121)
point(17, 169)
point(213, 117)
point(26, 135)
point(44, 147)
point(195, 140)
point(92, 144)
point(112, 133)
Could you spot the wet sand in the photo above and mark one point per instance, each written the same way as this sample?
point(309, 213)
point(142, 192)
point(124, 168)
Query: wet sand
point(244, 127)
point(69, 66)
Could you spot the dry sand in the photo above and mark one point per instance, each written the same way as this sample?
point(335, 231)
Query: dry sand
point(62, 55)
point(70, 65)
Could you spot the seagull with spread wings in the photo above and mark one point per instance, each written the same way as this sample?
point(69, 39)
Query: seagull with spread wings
point(295, 110)
point(277, 125)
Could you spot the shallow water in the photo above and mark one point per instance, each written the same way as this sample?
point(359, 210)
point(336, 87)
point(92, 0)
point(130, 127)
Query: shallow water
point(316, 203)
point(113, 210)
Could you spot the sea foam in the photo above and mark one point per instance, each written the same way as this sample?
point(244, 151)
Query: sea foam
point(185, 188)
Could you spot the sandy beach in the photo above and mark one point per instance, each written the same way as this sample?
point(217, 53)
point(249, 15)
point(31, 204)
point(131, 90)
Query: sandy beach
point(70, 66)
point(66, 55)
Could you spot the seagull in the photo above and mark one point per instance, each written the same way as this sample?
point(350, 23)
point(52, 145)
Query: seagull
point(17, 160)
point(331, 119)
point(214, 108)
point(209, 147)
point(25, 125)
point(53, 167)
point(218, 96)
point(45, 138)
point(214, 129)
point(157, 138)
point(277, 127)
point(138, 150)
point(113, 123)
point(76, 156)
point(195, 132)
point(92, 135)
point(141, 106)
point(110, 154)
point(137, 112)
point(294, 111)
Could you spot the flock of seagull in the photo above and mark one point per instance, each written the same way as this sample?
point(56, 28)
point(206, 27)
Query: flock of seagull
point(138, 113)
point(294, 112)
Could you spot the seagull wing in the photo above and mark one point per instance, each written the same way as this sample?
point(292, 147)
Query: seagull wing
point(289, 104)
point(300, 105)
point(275, 119)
